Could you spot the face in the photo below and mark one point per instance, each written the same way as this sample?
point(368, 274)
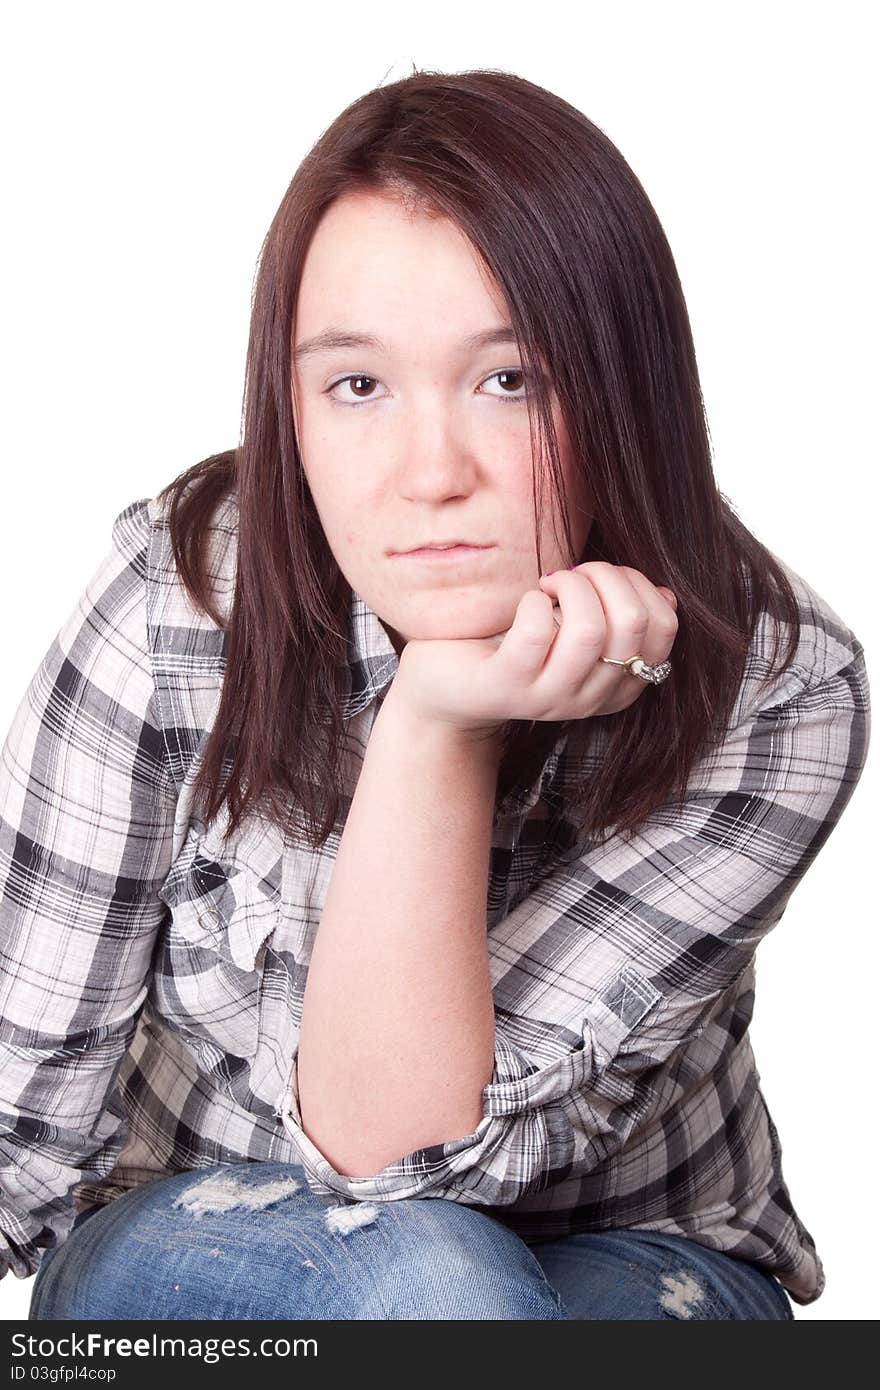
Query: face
point(423, 437)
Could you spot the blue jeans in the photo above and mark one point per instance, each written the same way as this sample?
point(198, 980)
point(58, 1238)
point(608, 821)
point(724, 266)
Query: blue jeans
point(251, 1241)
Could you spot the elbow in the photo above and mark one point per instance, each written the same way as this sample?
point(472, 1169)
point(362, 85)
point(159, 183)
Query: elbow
point(360, 1157)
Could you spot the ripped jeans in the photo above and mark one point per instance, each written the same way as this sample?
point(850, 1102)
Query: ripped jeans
point(251, 1241)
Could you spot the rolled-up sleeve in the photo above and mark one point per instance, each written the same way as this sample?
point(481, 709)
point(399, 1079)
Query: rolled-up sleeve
point(619, 959)
point(86, 821)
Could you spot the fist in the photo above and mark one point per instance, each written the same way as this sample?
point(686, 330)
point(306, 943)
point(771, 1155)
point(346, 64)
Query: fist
point(547, 665)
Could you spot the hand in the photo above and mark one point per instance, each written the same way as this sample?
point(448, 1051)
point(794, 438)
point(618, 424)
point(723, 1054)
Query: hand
point(541, 669)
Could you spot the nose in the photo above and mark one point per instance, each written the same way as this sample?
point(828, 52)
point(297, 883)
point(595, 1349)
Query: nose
point(438, 460)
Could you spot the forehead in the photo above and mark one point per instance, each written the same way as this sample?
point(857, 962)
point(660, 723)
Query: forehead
point(367, 219)
point(373, 263)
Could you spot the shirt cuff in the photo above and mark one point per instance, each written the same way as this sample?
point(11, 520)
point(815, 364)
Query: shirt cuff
point(23, 1259)
point(524, 1127)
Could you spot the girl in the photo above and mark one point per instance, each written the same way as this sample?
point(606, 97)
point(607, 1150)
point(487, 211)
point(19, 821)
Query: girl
point(399, 812)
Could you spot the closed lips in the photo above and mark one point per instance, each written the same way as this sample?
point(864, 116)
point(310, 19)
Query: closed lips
point(443, 545)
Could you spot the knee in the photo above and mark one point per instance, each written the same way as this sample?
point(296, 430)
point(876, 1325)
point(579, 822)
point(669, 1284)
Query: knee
point(190, 1246)
point(439, 1259)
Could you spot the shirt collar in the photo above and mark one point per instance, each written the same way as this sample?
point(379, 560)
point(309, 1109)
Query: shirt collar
point(372, 661)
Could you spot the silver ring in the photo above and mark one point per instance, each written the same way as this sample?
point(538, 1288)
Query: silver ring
point(637, 666)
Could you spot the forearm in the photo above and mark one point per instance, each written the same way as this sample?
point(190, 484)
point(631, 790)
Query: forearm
point(397, 1035)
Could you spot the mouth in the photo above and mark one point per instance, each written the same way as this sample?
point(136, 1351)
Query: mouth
point(447, 555)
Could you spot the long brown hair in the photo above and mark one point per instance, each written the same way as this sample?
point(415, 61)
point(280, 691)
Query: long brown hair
point(594, 297)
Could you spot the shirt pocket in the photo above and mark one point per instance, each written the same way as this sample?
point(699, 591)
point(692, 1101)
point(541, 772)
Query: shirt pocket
point(208, 968)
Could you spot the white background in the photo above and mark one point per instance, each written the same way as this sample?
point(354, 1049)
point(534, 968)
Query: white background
point(146, 151)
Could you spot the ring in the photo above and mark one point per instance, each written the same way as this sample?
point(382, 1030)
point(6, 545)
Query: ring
point(637, 666)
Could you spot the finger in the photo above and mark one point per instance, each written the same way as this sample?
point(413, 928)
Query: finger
point(653, 643)
point(627, 615)
point(582, 636)
point(663, 621)
point(525, 645)
point(605, 687)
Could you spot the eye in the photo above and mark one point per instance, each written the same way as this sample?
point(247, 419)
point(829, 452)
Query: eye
point(507, 372)
point(358, 377)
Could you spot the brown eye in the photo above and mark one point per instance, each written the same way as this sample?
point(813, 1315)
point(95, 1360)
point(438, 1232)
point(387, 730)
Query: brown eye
point(357, 382)
point(512, 379)
point(507, 376)
point(357, 379)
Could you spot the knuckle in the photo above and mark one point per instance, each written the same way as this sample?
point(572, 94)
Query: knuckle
point(636, 619)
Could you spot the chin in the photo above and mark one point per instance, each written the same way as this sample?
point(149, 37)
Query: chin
point(456, 618)
point(450, 631)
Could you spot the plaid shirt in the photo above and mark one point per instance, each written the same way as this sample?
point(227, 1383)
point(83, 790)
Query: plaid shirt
point(152, 978)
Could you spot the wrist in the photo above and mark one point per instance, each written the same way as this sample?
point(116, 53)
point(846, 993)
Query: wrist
point(487, 739)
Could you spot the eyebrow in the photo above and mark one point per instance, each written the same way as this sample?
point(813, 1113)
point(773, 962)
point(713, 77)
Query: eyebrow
point(332, 338)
